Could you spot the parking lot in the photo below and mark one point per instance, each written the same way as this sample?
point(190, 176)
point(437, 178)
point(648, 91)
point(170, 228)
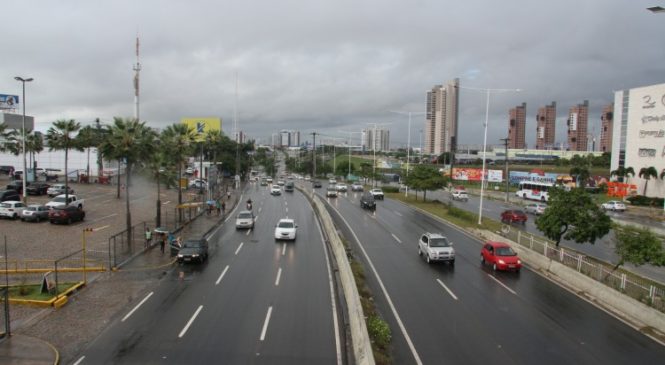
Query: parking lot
point(103, 212)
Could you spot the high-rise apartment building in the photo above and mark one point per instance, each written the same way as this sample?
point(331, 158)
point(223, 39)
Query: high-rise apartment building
point(517, 127)
point(606, 125)
point(379, 141)
point(545, 126)
point(240, 137)
point(578, 121)
point(288, 139)
point(441, 122)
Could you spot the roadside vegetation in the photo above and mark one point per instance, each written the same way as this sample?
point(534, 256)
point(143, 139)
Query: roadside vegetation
point(33, 291)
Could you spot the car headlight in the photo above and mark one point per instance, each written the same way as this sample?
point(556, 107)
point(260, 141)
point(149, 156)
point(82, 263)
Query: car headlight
point(180, 256)
point(195, 255)
point(502, 262)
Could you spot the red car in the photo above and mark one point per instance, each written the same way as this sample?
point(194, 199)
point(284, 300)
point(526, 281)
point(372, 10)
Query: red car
point(501, 256)
point(66, 214)
point(510, 216)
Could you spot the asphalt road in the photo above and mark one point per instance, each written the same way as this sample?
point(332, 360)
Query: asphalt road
point(255, 301)
point(467, 314)
point(603, 248)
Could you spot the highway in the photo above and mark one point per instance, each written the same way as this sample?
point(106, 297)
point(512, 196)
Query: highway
point(255, 301)
point(467, 314)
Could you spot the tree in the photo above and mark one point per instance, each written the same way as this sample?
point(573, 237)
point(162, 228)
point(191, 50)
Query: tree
point(61, 137)
point(425, 178)
point(178, 138)
point(647, 173)
point(662, 175)
point(579, 167)
point(131, 141)
point(34, 144)
point(638, 246)
point(87, 138)
point(573, 215)
point(622, 172)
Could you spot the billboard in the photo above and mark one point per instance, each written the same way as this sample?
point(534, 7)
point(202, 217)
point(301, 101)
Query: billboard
point(517, 176)
point(8, 101)
point(201, 126)
point(472, 174)
point(15, 121)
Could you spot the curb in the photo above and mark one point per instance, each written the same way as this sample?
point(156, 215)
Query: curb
point(56, 302)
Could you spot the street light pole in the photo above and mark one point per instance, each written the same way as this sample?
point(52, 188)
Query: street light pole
point(408, 144)
point(25, 170)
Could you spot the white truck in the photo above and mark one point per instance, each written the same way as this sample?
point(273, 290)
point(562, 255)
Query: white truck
point(60, 201)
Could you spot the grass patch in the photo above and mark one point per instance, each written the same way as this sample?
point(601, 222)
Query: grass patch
point(32, 291)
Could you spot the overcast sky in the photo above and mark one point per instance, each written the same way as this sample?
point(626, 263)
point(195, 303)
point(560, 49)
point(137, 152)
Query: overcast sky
point(327, 66)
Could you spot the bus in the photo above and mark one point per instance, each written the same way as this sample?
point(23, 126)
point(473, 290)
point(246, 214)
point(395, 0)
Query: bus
point(534, 190)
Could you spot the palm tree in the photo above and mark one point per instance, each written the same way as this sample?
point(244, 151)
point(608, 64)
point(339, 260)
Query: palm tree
point(647, 173)
point(87, 138)
point(622, 172)
point(34, 143)
point(161, 168)
point(61, 137)
point(178, 139)
point(662, 175)
point(131, 141)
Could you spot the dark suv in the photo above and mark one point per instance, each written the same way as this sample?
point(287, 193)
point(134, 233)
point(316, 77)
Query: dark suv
point(16, 185)
point(510, 216)
point(6, 195)
point(193, 250)
point(367, 201)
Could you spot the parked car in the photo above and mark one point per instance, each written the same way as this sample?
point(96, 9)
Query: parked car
point(11, 209)
point(378, 193)
point(16, 185)
point(193, 250)
point(34, 212)
point(356, 186)
point(245, 219)
point(189, 171)
point(286, 229)
point(367, 201)
point(341, 188)
point(7, 195)
point(6, 169)
point(510, 216)
point(535, 208)
point(500, 255)
point(275, 190)
point(460, 195)
point(436, 247)
point(316, 183)
point(198, 184)
point(37, 188)
point(66, 214)
point(614, 205)
point(331, 191)
point(57, 189)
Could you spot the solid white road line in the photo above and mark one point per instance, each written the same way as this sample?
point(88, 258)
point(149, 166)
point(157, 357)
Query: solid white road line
point(396, 238)
point(248, 231)
point(265, 324)
point(256, 218)
point(502, 284)
point(219, 279)
point(338, 346)
point(279, 275)
point(448, 290)
point(137, 307)
point(287, 210)
point(239, 247)
point(260, 210)
point(102, 218)
point(79, 360)
point(191, 320)
point(283, 248)
point(416, 357)
point(398, 214)
point(285, 202)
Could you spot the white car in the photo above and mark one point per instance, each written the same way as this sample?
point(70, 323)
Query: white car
point(58, 189)
point(460, 195)
point(280, 182)
point(286, 230)
point(341, 188)
point(436, 247)
point(198, 183)
point(614, 205)
point(377, 193)
point(332, 181)
point(275, 190)
point(189, 171)
point(535, 208)
point(356, 186)
point(331, 192)
point(245, 219)
point(11, 209)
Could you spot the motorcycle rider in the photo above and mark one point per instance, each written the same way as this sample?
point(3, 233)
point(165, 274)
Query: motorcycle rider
point(249, 204)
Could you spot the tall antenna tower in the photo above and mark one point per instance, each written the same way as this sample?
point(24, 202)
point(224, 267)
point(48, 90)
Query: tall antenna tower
point(237, 136)
point(137, 70)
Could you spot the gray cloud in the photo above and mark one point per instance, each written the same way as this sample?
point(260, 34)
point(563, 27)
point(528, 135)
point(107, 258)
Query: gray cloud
point(327, 65)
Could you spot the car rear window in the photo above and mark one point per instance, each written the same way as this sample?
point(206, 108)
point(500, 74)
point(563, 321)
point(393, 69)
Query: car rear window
point(439, 242)
point(505, 251)
point(285, 225)
point(245, 215)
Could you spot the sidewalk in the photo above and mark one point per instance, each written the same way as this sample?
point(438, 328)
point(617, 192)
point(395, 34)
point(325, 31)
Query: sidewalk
point(20, 349)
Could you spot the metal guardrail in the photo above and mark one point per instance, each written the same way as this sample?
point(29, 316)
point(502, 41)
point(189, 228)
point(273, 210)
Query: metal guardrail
point(633, 285)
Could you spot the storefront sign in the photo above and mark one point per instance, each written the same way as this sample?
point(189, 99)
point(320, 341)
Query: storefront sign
point(657, 134)
point(646, 152)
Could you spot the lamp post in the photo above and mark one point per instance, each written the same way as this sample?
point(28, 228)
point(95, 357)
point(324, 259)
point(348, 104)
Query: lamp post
point(408, 144)
point(25, 170)
point(374, 151)
point(658, 9)
point(483, 175)
point(349, 148)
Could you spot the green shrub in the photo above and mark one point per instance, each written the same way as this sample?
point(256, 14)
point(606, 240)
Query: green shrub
point(453, 211)
point(645, 201)
point(390, 189)
point(379, 331)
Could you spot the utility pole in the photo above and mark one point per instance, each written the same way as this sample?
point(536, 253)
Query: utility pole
point(137, 71)
point(314, 155)
point(453, 147)
point(505, 162)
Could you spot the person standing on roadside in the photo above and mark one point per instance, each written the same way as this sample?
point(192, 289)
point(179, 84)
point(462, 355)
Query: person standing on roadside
point(223, 207)
point(162, 242)
point(148, 236)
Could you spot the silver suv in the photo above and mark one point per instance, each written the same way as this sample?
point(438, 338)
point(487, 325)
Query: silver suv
point(245, 219)
point(436, 247)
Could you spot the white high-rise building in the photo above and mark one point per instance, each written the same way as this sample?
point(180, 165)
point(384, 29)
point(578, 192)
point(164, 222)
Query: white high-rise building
point(379, 141)
point(442, 118)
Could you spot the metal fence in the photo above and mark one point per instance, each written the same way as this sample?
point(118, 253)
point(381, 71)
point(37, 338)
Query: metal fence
point(123, 246)
point(633, 285)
